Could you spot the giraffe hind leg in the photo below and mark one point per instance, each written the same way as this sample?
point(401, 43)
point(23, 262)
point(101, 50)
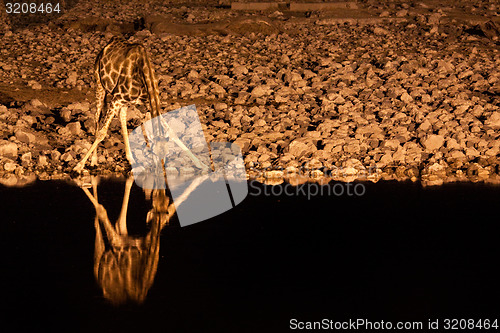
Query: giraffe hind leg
point(176, 139)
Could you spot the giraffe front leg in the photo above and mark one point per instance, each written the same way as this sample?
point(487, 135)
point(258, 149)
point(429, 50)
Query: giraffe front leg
point(121, 223)
point(123, 121)
point(101, 134)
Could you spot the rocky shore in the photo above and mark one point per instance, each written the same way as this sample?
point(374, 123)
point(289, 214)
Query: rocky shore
point(397, 91)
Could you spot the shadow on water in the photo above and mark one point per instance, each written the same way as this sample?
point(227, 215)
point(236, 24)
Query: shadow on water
point(114, 257)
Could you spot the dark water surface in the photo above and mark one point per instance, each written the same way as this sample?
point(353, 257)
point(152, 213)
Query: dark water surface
point(399, 252)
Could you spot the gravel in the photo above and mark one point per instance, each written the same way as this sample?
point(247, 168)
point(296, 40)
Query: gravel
point(412, 96)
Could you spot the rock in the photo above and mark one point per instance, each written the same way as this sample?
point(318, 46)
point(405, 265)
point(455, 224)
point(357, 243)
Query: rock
point(393, 144)
point(65, 114)
point(26, 159)
point(445, 66)
point(74, 128)
point(72, 78)
point(425, 126)
point(220, 106)
point(426, 98)
point(352, 168)
point(477, 173)
point(493, 120)
point(243, 143)
point(405, 97)
point(457, 155)
point(452, 143)
point(42, 161)
point(79, 107)
point(284, 59)
point(66, 157)
point(433, 142)
point(193, 75)
point(25, 136)
point(240, 70)
point(34, 85)
point(301, 147)
point(8, 149)
point(402, 13)
point(55, 155)
point(352, 146)
point(338, 99)
point(380, 31)
point(434, 19)
point(9, 166)
point(260, 91)
point(386, 159)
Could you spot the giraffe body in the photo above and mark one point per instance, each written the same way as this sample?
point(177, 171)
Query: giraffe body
point(122, 71)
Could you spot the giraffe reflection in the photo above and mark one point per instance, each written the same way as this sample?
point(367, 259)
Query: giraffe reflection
point(124, 265)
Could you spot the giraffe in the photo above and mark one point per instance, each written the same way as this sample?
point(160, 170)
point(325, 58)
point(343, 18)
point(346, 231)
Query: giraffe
point(124, 265)
point(123, 71)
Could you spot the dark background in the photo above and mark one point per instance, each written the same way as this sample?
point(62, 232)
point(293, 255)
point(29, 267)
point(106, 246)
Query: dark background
point(400, 252)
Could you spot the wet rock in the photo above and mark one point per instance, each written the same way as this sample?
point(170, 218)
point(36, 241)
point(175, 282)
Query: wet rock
point(352, 167)
point(434, 174)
